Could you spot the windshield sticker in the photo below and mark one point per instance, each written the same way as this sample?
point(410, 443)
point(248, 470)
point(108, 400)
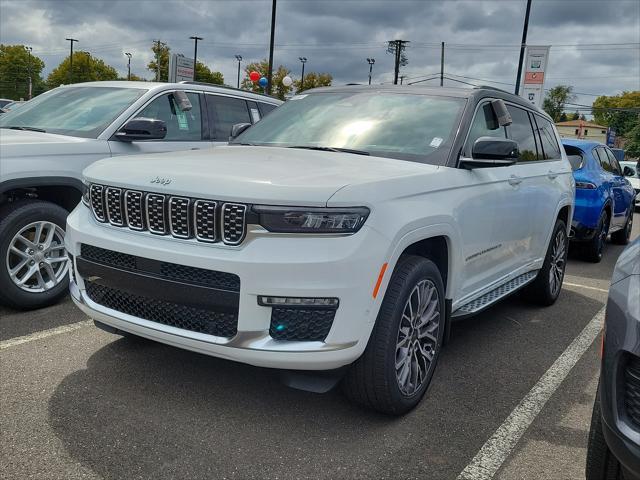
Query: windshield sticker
point(299, 97)
point(183, 124)
point(436, 142)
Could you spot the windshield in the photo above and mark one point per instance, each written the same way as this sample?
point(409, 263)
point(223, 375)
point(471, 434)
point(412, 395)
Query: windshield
point(397, 125)
point(76, 111)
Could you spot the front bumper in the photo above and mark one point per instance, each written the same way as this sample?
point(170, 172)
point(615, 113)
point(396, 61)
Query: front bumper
point(344, 267)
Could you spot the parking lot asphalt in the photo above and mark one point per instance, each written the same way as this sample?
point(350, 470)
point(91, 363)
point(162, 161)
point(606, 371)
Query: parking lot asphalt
point(79, 403)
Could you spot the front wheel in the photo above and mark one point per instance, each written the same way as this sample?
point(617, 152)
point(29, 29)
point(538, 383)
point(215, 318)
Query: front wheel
point(545, 289)
point(33, 262)
point(594, 247)
point(396, 368)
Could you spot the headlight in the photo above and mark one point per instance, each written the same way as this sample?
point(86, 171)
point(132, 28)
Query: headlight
point(311, 220)
point(85, 193)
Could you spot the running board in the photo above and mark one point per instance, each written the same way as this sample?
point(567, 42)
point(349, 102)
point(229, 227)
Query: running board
point(495, 295)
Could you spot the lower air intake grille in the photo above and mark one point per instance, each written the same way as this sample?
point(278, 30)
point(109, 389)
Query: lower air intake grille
point(632, 390)
point(220, 324)
point(300, 324)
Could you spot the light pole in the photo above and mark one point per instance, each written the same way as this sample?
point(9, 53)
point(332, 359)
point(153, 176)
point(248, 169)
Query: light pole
point(303, 60)
point(128, 65)
point(72, 40)
point(29, 50)
point(239, 59)
point(195, 54)
point(370, 61)
point(523, 45)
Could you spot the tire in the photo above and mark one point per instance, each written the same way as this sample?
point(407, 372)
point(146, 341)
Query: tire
point(545, 289)
point(621, 237)
point(47, 257)
point(593, 248)
point(373, 381)
point(601, 464)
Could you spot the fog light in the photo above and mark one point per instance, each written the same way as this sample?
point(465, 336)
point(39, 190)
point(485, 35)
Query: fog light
point(321, 302)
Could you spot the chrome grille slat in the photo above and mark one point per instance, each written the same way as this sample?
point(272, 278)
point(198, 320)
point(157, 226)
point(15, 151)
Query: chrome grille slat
point(113, 202)
point(233, 223)
point(156, 213)
point(204, 220)
point(97, 202)
point(208, 221)
point(179, 217)
point(134, 209)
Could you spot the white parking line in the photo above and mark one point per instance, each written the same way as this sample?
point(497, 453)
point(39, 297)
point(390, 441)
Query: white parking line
point(585, 286)
point(497, 449)
point(12, 342)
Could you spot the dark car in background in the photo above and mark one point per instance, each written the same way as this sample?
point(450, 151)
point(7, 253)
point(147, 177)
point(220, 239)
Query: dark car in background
point(604, 197)
point(614, 439)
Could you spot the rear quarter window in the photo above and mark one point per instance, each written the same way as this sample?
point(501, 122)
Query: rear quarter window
point(575, 157)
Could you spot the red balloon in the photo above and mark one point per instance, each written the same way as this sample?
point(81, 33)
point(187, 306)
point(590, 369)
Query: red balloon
point(254, 76)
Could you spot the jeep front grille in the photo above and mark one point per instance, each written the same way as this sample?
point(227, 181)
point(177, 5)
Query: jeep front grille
point(181, 217)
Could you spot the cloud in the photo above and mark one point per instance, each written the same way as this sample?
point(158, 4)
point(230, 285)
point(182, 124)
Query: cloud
point(337, 36)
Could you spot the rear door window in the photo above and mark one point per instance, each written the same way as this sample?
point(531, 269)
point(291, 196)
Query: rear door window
point(225, 113)
point(550, 147)
point(521, 131)
point(602, 158)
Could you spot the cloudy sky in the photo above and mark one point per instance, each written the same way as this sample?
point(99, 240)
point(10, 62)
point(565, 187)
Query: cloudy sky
point(595, 44)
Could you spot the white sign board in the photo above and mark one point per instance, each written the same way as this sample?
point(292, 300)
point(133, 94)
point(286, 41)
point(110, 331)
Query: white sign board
point(535, 67)
point(180, 68)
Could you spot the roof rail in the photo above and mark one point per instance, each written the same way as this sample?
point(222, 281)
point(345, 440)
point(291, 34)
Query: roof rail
point(489, 87)
point(226, 87)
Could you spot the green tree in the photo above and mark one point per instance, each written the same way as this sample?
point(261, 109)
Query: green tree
point(632, 145)
point(204, 74)
point(86, 68)
point(162, 50)
point(313, 80)
point(556, 100)
point(277, 88)
point(14, 72)
point(621, 121)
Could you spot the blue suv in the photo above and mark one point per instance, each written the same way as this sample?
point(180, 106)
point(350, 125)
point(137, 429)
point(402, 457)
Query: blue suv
point(604, 198)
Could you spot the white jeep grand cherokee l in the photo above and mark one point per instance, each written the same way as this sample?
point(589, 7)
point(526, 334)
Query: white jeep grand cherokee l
point(343, 232)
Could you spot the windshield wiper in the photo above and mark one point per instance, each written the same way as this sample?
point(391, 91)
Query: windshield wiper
point(31, 129)
point(330, 149)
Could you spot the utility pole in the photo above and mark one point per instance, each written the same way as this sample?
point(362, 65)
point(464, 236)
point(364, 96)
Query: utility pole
point(397, 47)
point(273, 36)
point(158, 60)
point(29, 50)
point(71, 59)
point(442, 65)
point(239, 59)
point(195, 54)
point(303, 60)
point(523, 45)
point(128, 65)
point(370, 61)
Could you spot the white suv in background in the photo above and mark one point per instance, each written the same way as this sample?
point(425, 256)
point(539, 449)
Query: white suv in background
point(47, 142)
point(343, 232)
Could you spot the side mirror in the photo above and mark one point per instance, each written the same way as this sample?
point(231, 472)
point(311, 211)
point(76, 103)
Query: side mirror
point(237, 129)
point(142, 129)
point(628, 172)
point(492, 152)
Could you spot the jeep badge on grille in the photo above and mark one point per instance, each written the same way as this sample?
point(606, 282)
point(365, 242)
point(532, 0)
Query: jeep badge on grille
point(161, 181)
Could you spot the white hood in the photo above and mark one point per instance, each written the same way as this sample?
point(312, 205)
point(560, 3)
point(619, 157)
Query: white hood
point(271, 175)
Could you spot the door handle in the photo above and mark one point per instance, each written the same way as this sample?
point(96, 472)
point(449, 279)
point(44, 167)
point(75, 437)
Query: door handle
point(552, 175)
point(515, 180)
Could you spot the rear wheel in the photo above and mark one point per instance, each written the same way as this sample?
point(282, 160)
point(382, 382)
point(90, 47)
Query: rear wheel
point(594, 247)
point(397, 366)
point(33, 262)
point(545, 289)
point(601, 464)
point(621, 237)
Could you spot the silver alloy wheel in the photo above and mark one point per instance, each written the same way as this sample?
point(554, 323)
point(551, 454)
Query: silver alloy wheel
point(558, 262)
point(417, 342)
point(36, 258)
